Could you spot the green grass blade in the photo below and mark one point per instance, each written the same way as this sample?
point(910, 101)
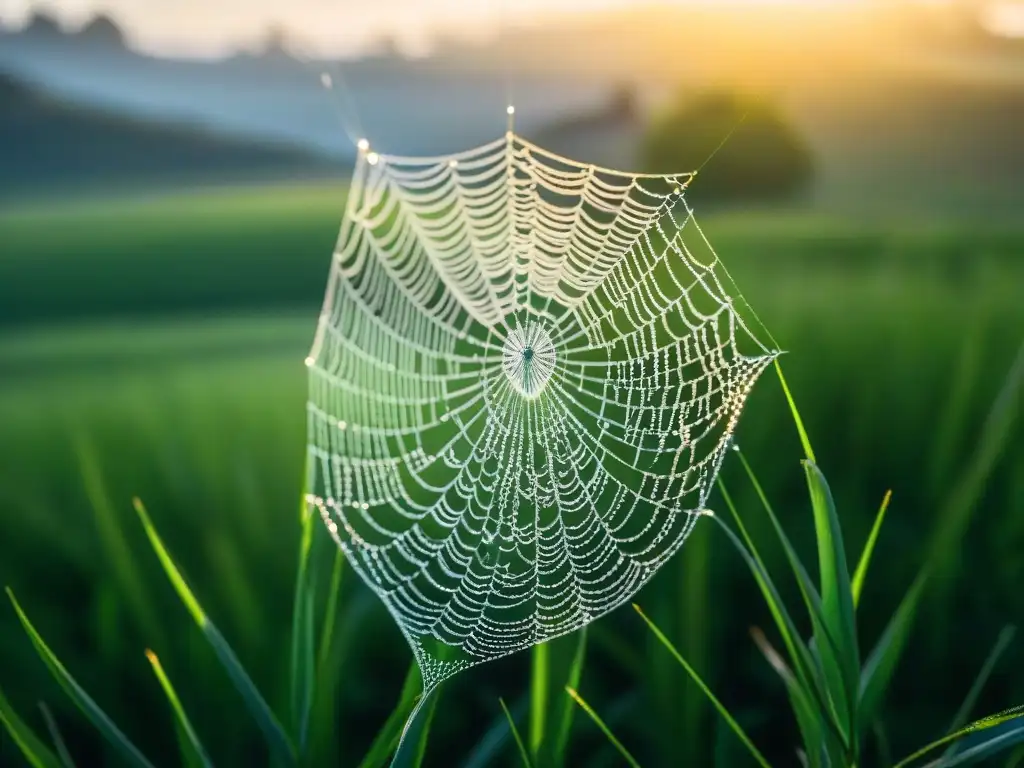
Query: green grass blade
point(869, 547)
point(804, 440)
point(881, 663)
point(794, 645)
point(841, 683)
point(604, 728)
point(953, 418)
point(303, 670)
point(806, 666)
point(1001, 644)
point(32, 748)
point(524, 755)
point(331, 611)
point(987, 748)
point(997, 431)
point(412, 747)
point(387, 737)
point(78, 695)
point(814, 736)
point(331, 659)
point(539, 686)
point(58, 741)
point(565, 716)
point(985, 723)
point(491, 745)
point(882, 744)
point(740, 733)
point(118, 553)
point(274, 734)
point(836, 590)
point(192, 750)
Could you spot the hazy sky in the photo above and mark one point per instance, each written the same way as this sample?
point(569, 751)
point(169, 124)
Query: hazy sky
point(208, 26)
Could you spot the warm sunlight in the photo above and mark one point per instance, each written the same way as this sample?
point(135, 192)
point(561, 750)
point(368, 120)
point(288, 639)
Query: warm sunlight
point(194, 26)
point(1004, 19)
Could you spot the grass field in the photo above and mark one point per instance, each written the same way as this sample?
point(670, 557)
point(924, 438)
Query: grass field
point(154, 348)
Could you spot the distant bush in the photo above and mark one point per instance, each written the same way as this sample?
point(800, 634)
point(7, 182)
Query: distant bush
point(764, 159)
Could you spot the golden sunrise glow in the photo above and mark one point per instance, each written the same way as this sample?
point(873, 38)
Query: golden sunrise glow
point(204, 27)
point(1004, 19)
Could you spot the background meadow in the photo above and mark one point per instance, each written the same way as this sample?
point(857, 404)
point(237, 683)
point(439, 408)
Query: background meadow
point(166, 226)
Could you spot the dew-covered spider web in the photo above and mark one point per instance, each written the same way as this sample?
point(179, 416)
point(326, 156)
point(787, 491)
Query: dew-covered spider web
point(526, 375)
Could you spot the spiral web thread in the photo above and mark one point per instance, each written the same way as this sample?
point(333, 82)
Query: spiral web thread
point(524, 380)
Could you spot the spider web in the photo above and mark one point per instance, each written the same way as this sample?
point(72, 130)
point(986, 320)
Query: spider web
point(524, 380)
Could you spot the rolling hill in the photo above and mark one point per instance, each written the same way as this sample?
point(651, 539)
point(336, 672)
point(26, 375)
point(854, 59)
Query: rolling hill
point(46, 143)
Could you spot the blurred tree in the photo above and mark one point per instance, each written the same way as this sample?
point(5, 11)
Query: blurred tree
point(277, 41)
point(103, 32)
point(765, 158)
point(43, 25)
point(624, 102)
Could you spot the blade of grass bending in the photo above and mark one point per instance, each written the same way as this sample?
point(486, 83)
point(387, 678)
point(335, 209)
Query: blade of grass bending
point(387, 737)
point(794, 645)
point(814, 737)
point(32, 748)
point(302, 659)
point(703, 686)
point(806, 667)
point(192, 749)
point(804, 440)
point(869, 547)
point(882, 661)
point(540, 657)
point(836, 590)
point(1007, 715)
point(523, 754)
point(78, 695)
point(567, 710)
point(274, 734)
point(604, 728)
point(841, 681)
point(1001, 644)
point(58, 741)
point(987, 748)
point(412, 746)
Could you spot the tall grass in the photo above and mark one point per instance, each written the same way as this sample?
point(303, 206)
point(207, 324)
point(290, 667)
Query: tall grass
point(898, 333)
point(836, 698)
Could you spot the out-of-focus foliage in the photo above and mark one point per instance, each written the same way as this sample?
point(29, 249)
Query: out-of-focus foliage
point(763, 157)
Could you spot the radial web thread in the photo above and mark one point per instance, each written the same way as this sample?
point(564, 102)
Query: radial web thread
point(525, 377)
